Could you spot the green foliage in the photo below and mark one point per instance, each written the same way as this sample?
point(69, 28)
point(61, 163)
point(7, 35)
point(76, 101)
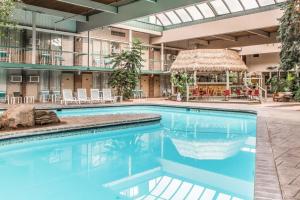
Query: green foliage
point(127, 67)
point(283, 85)
point(289, 35)
point(181, 80)
point(6, 10)
point(297, 94)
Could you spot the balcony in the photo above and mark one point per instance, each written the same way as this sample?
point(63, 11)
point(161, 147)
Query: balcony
point(15, 57)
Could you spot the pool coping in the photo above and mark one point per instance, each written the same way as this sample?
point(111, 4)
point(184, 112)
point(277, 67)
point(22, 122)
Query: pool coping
point(142, 118)
point(266, 186)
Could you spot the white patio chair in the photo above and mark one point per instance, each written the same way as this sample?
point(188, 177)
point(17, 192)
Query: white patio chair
point(95, 96)
point(68, 97)
point(107, 96)
point(82, 96)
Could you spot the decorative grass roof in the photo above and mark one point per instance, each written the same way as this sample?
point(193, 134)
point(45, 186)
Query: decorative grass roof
point(208, 60)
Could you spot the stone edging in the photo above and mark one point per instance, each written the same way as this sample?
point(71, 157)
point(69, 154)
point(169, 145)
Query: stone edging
point(51, 130)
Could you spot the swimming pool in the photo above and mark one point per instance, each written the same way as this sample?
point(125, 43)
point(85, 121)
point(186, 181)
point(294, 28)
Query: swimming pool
point(190, 154)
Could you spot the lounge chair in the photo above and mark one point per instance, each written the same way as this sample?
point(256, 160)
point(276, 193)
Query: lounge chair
point(82, 96)
point(107, 96)
point(95, 96)
point(68, 97)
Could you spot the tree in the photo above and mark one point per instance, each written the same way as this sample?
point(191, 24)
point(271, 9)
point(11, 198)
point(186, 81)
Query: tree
point(289, 35)
point(6, 11)
point(126, 69)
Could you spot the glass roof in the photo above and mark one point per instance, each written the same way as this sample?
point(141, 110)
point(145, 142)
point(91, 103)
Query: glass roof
point(212, 8)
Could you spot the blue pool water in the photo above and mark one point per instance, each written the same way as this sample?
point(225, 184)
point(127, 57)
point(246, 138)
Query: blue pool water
point(190, 154)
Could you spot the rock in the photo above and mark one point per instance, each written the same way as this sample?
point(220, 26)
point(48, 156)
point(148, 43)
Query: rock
point(45, 117)
point(18, 116)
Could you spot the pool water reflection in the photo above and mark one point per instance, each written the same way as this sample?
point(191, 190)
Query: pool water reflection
point(189, 155)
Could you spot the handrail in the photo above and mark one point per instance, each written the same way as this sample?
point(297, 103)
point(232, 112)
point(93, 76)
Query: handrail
point(260, 93)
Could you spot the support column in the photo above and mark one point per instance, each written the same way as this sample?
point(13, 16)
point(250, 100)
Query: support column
point(130, 39)
point(245, 79)
point(89, 52)
point(162, 56)
point(195, 78)
point(33, 56)
point(227, 80)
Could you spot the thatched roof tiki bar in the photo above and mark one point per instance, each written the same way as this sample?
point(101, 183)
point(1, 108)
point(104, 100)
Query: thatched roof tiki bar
point(212, 69)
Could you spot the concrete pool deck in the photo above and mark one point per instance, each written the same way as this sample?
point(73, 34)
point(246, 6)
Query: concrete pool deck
point(76, 123)
point(278, 143)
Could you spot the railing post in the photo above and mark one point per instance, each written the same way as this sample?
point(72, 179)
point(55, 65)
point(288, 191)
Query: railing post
point(33, 57)
point(89, 54)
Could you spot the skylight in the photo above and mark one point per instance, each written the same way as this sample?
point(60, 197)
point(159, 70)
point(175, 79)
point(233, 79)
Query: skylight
point(173, 17)
point(184, 16)
point(265, 2)
point(249, 4)
point(194, 12)
point(220, 7)
point(206, 11)
point(209, 9)
point(234, 5)
point(163, 19)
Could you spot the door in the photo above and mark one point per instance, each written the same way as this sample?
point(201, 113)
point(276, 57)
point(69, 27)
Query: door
point(87, 82)
point(67, 81)
point(145, 85)
point(32, 90)
point(156, 86)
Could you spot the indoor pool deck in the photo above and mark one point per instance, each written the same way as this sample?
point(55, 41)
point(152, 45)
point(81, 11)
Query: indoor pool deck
point(75, 123)
point(278, 144)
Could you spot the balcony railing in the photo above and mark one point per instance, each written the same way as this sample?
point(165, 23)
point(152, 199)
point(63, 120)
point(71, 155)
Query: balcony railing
point(67, 58)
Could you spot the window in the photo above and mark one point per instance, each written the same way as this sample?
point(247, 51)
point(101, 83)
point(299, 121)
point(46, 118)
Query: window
point(205, 10)
point(220, 7)
point(184, 16)
point(194, 12)
point(234, 5)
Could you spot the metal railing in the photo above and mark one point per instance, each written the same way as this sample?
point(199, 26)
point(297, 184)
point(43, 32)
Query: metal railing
point(21, 55)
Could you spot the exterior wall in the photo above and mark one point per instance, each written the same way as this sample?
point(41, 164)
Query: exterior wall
point(261, 63)
point(3, 78)
point(13, 87)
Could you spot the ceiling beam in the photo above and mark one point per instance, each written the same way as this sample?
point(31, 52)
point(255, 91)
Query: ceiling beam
point(52, 12)
point(134, 10)
point(225, 37)
point(261, 33)
point(202, 42)
point(92, 5)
